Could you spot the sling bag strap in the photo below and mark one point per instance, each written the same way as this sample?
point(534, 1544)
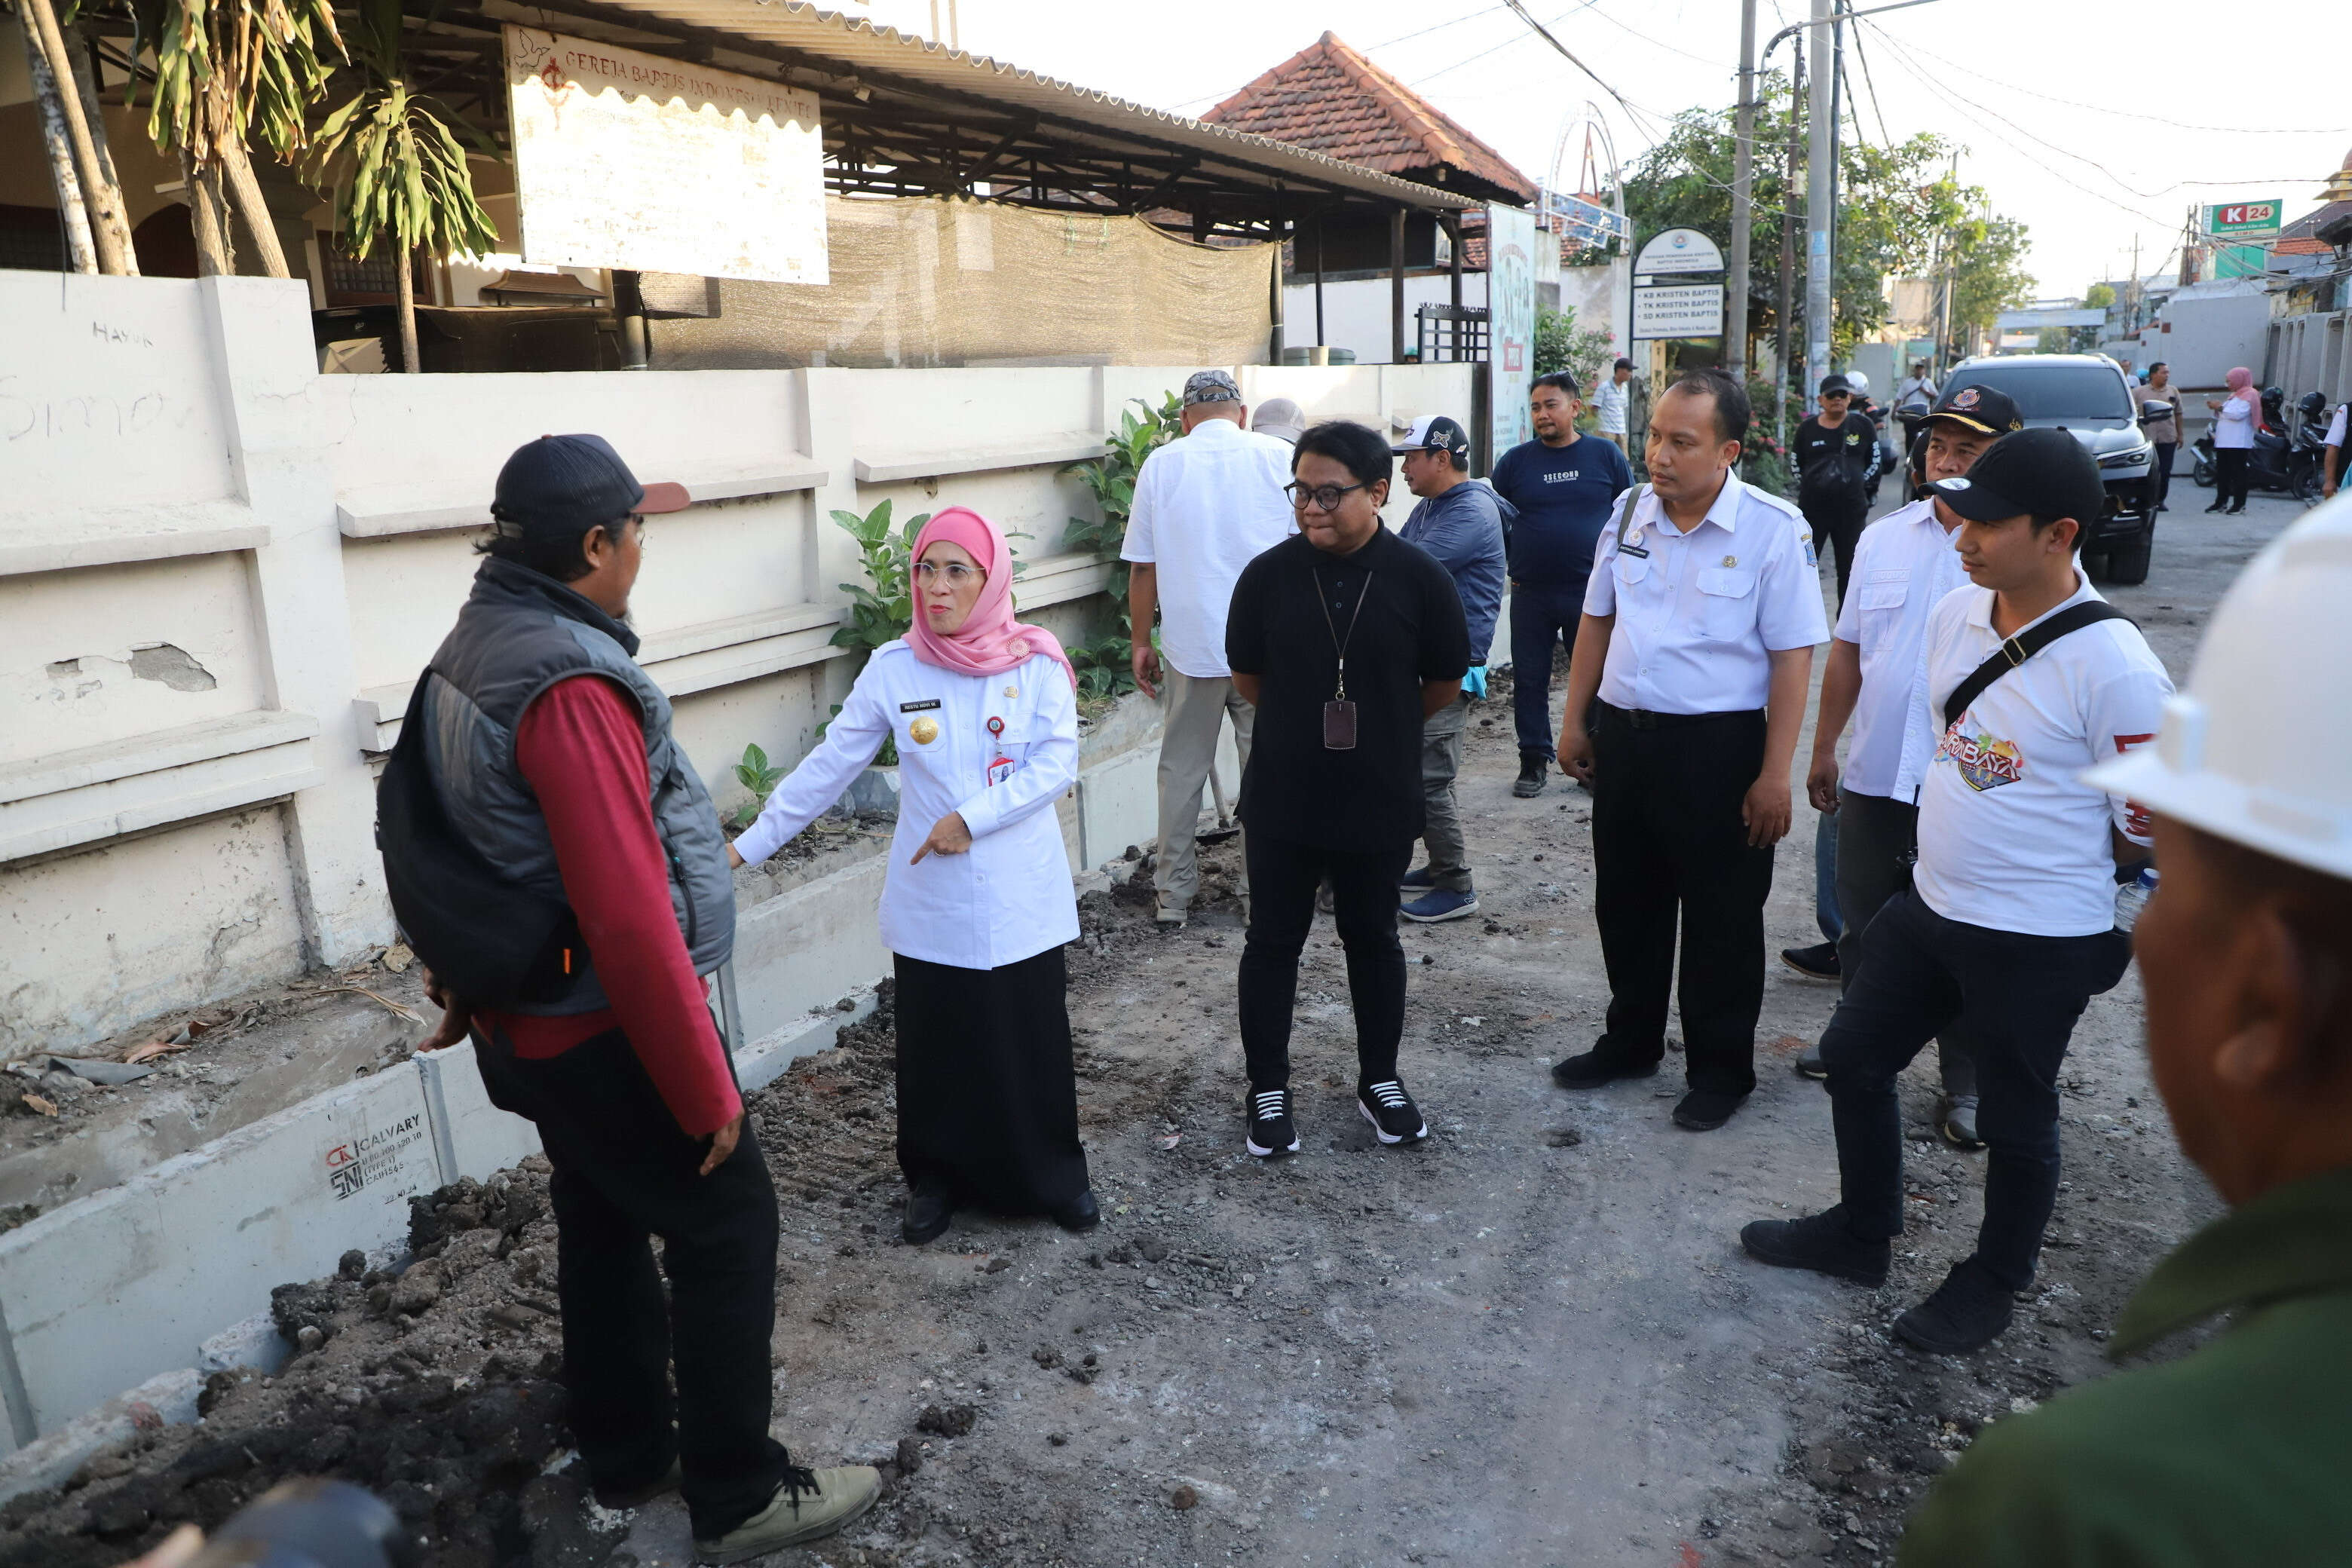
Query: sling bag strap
point(2014, 651)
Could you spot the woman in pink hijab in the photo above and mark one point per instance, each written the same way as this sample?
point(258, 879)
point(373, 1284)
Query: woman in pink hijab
point(976, 902)
point(2235, 419)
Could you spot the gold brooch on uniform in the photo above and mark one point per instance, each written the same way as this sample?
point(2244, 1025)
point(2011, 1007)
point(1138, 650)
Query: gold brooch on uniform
point(923, 731)
point(1011, 692)
point(1731, 561)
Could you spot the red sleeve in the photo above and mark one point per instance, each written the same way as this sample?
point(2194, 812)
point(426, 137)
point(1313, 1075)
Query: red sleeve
point(583, 748)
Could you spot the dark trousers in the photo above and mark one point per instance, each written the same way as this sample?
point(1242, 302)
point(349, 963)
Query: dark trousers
point(1667, 841)
point(2230, 477)
point(2015, 998)
point(1284, 875)
point(1542, 618)
point(624, 1174)
point(1875, 836)
point(1839, 519)
point(2164, 451)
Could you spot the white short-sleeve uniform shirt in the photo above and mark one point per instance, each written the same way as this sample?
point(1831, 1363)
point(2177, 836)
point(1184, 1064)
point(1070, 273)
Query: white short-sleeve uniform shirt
point(1009, 896)
point(1699, 614)
point(1206, 505)
point(1904, 564)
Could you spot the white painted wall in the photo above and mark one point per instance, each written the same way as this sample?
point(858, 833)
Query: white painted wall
point(180, 825)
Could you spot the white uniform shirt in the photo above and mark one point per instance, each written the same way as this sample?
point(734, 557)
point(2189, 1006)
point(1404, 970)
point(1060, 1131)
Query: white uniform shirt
point(1608, 400)
point(2010, 837)
point(1699, 614)
point(1903, 566)
point(1008, 897)
point(2336, 427)
point(1206, 505)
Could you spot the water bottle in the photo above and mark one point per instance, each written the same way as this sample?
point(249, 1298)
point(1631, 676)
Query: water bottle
point(2133, 897)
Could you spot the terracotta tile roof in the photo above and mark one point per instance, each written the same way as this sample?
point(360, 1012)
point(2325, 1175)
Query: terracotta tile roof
point(2301, 246)
point(1331, 99)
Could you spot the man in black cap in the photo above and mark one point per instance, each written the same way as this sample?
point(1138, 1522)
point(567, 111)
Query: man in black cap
point(1837, 459)
point(551, 759)
point(2008, 929)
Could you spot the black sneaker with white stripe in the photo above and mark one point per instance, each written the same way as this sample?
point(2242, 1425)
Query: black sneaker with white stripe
point(1270, 1131)
point(1391, 1113)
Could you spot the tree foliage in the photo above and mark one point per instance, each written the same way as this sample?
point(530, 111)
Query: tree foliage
point(408, 179)
point(1900, 212)
point(1585, 352)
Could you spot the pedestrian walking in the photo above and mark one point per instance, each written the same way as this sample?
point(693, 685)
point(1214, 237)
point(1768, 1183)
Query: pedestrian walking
point(1561, 485)
point(2234, 1455)
point(2162, 429)
point(1837, 472)
point(557, 863)
point(1205, 505)
point(2008, 930)
point(1460, 523)
point(2236, 418)
point(1876, 679)
point(1698, 641)
point(1611, 402)
point(1347, 640)
point(1914, 398)
point(977, 902)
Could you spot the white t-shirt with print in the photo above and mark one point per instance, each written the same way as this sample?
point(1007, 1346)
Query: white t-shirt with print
point(2010, 837)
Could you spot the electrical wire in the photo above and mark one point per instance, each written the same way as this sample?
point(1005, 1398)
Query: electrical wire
point(1405, 39)
point(1873, 85)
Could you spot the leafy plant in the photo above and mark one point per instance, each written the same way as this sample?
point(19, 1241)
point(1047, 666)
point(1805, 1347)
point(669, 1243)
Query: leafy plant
point(754, 774)
point(883, 608)
point(1584, 352)
point(1104, 669)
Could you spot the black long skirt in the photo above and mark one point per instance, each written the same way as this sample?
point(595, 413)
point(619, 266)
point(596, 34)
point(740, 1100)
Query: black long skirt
point(988, 1098)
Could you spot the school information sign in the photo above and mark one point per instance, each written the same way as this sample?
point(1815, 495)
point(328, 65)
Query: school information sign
point(631, 161)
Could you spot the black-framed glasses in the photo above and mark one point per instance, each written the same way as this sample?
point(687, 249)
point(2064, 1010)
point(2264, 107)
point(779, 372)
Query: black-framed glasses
point(1326, 497)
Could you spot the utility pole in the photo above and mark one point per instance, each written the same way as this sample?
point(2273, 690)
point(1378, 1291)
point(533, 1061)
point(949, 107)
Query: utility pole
point(1786, 349)
point(1743, 201)
point(1821, 129)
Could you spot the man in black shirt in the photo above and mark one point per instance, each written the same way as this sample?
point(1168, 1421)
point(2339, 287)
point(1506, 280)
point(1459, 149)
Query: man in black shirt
point(1837, 472)
point(1345, 639)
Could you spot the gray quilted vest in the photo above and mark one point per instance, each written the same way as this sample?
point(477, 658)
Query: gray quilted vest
point(518, 634)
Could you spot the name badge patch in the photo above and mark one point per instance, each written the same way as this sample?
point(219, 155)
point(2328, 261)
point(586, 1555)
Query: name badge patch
point(925, 706)
point(1633, 550)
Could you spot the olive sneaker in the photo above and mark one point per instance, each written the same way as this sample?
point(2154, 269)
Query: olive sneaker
point(1270, 1131)
point(808, 1505)
point(1391, 1113)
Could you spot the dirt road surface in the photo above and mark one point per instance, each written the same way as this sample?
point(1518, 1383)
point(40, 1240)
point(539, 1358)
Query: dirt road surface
point(1533, 1341)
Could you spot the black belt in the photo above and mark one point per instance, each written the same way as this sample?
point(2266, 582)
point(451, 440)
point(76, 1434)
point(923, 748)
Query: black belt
point(1643, 719)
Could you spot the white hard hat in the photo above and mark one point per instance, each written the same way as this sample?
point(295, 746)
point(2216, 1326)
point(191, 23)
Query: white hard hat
point(2257, 749)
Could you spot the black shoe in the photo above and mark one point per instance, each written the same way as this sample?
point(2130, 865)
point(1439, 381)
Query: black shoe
point(2233, 511)
point(2215, 506)
point(1595, 1067)
point(1391, 1113)
point(1705, 1109)
point(1270, 1131)
point(1968, 1310)
point(1809, 1065)
point(1819, 961)
point(1083, 1214)
point(1820, 1242)
point(928, 1213)
point(1534, 769)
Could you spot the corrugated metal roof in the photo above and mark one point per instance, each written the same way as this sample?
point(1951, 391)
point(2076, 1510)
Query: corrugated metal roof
point(862, 47)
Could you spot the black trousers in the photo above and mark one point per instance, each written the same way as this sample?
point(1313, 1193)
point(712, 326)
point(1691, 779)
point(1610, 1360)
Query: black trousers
point(1284, 876)
point(1840, 520)
point(2016, 998)
point(1875, 836)
point(2164, 451)
point(2231, 478)
point(623, 1174)
point(1668, 843)
point(1542, 618)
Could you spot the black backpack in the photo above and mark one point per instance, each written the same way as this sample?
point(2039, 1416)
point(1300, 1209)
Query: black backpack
point(484, 937)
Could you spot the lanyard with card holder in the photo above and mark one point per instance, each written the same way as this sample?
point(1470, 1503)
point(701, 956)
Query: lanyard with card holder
point(1000, 767)
point(1340, 713)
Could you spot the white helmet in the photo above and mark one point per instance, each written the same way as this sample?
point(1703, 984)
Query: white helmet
point(1859, 381)
point(2256, 750)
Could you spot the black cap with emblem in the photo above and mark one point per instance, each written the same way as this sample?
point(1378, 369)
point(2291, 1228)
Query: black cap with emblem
point(1985, 409)
point(2043, 473)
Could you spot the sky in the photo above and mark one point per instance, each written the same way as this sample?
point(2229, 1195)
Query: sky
point(2086, 121)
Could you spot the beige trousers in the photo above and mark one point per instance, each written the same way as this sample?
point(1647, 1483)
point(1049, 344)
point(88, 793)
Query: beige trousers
point(1193, 710)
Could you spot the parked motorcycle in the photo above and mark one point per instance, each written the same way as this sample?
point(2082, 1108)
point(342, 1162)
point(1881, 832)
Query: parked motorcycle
point(2292, 465)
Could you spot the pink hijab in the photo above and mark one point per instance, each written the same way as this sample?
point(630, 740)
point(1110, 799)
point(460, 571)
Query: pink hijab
point(2242, 386)
point(990, 641)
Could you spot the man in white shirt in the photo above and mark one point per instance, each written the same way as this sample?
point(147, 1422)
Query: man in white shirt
point(1698, 638)
point(1205, 506)
point(1903, 565)
point(1610, 401)
point(2008, 930)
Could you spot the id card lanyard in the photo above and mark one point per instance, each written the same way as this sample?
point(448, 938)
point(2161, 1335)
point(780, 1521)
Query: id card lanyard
point(1000, 767)
point(1340, 713)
